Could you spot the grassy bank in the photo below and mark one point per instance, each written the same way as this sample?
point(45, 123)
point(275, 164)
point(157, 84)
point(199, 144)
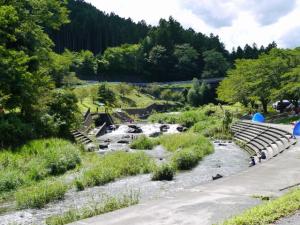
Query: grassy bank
point(131, 98)
point(206, 120)
point(270, 211)
point(114, 165)
point(41, 194)
point(188, 148)
point(109, 204)
point(36, 161)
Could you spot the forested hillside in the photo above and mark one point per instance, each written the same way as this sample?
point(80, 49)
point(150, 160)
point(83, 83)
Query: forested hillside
point(91, 29)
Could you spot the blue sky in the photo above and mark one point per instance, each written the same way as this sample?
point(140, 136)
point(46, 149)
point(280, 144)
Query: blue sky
point(237, 22)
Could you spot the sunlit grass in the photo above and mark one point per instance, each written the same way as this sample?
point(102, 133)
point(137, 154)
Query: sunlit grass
point(269, 211)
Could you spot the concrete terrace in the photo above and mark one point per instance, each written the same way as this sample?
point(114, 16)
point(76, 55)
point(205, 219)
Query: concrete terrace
point(213, 202)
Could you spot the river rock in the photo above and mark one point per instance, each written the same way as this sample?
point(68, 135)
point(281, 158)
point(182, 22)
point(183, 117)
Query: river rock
point(218, 176)
point(133, 129)
point(164, 128)
point(181, 129)
point(123, 142)
point(155, 134)
point(103, 146)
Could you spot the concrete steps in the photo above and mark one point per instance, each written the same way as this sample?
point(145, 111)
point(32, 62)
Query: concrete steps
point(261, 140)
point(81, 138)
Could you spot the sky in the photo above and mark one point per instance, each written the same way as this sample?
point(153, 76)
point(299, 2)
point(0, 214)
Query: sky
point(237, 22)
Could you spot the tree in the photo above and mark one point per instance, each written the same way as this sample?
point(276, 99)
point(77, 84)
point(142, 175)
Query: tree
point(186, 57)
point(199, 94)
point(124, 88)
point(24, 50)
point(262, 80)
point(215, 64)
point(63, 112)
point(106, 95)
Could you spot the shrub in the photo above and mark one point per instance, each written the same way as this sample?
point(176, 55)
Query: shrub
point(164, 172)
point(14, 131)
point(143, 143)
point(39, 195)
point(186, 159)
point(79, 185)
point(10, 180)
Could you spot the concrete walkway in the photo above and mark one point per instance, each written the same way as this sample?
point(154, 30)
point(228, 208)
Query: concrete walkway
point(215, 201)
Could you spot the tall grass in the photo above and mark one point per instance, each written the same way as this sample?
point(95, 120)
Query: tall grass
point(36, 161)
point(39, 195)
point(109, 204)
point(143, 143)
point(189, 148)
point(206, 120)
point(115, 165)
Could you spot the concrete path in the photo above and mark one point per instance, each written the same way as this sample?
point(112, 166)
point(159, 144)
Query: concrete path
point(215, 201)
point(291, 220)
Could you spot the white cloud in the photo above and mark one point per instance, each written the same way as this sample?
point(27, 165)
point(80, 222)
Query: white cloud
point(237, 22)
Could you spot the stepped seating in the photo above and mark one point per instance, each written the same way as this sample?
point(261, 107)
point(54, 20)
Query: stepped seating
point(260, 139)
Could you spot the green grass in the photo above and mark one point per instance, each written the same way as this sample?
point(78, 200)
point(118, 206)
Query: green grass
point(39, 195)
point(115, 165)
point(206, 120)
point(132, 99)
point(164, 172)
point(143, 143)
point(108, 205)
point(189, 148)
point(35, 161)
point(269, 211)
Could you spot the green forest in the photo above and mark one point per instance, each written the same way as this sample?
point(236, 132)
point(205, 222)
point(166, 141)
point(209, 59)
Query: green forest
point(119, 49)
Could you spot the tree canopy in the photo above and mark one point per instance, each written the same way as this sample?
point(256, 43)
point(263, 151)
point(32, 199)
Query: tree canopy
point(272, 77)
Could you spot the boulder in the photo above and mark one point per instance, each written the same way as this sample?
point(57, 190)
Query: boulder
point(133, 129)
point(103, 146)
point(164, 128)
point(218, 176)
point(181, 129)
point(123, 142)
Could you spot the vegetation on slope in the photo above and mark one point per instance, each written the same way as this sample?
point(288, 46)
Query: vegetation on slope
point(114, 165)
point(107, 205)
point(269, 211)
point(35, 161)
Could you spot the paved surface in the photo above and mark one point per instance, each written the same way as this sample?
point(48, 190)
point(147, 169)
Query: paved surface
point(215, 201)
point(291, 220)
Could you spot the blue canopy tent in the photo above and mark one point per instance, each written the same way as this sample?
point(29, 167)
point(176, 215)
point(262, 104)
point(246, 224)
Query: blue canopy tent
point(258, 117)
point(296, 131)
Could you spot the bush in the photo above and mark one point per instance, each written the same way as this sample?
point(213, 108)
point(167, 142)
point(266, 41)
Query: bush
point(164, 172)
point(13, 131)
point(186, 159)
point(41, 194)
point(10, 180)
point(143, 143)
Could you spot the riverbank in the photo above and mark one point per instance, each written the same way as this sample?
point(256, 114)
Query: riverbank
point(226, 160)
point(213, 202)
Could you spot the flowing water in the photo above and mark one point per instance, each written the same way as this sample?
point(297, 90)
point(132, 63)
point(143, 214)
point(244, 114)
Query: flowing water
point(226, 160)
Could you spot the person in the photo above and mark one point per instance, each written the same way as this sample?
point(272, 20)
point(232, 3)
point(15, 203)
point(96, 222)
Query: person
point(252, 161)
